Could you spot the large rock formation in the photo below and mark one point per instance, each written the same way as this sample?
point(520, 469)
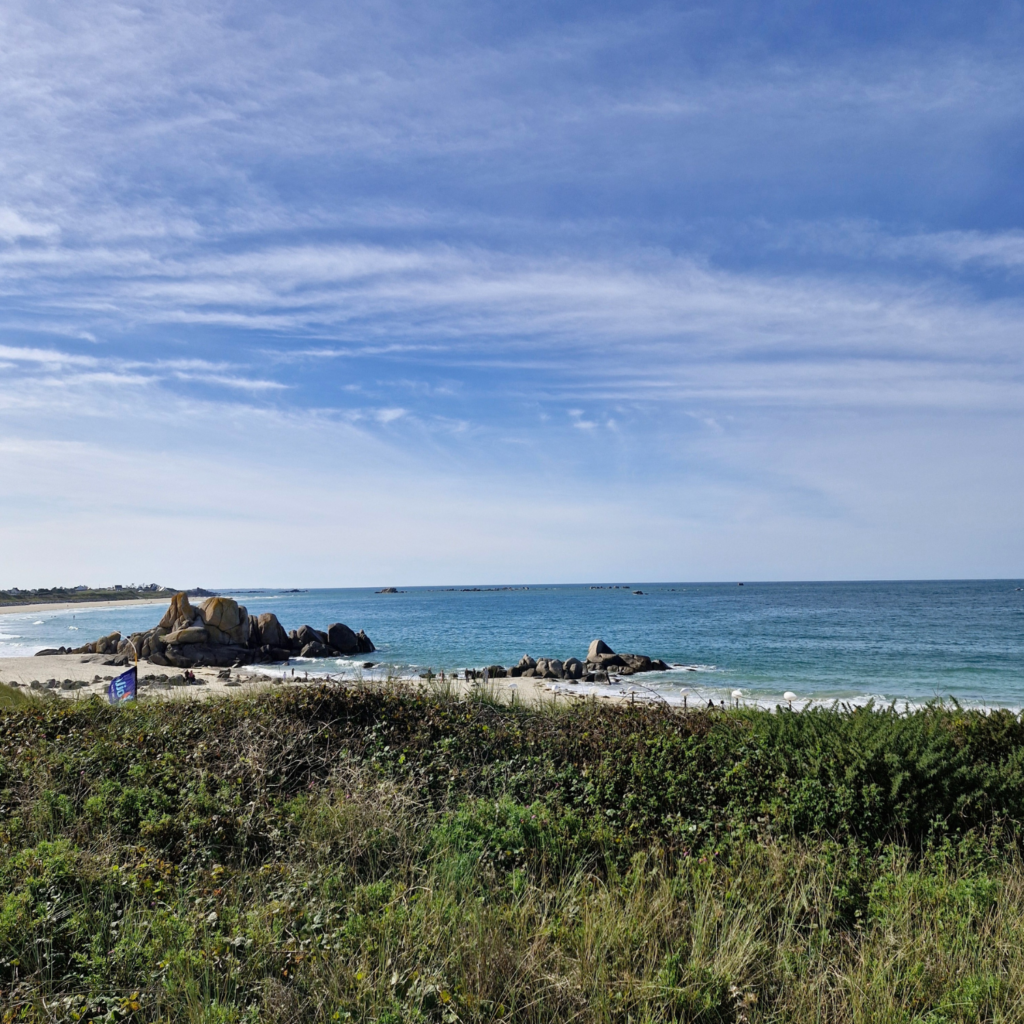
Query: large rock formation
point(221, 632)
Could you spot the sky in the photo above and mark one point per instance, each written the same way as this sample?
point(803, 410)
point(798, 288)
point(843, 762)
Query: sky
point(366, 294)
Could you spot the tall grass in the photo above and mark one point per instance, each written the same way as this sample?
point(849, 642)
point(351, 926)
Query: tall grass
point(391, 856)
point(12, 697)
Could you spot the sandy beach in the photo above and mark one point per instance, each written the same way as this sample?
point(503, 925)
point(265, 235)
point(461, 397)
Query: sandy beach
point(91, 670)
point(64, 606)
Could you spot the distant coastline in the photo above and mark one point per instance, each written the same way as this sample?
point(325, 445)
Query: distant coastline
point(63, 606)
point(59, 598)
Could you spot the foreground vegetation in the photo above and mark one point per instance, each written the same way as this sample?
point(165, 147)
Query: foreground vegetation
point(389, 856)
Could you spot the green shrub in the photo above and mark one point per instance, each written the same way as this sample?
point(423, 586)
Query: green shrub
point(329, 855)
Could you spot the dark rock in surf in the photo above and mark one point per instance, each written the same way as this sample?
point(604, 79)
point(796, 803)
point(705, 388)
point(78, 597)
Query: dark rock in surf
point(342, 639)
point(606, 661)
point(316, 649)
point(637, 662)
point(306, 635)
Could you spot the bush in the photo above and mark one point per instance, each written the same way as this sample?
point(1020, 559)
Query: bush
point(330, 854)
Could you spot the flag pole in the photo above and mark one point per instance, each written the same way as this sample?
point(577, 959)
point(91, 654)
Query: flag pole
point(135, 695)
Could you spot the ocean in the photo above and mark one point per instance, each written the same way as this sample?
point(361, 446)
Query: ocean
point(904, 641)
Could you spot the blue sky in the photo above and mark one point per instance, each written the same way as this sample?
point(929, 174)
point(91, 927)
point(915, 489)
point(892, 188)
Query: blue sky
point(361, 294)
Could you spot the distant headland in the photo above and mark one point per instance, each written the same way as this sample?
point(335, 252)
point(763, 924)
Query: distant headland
point(88, 595)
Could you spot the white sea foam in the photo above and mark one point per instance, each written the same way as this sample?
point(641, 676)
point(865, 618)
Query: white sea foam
point(9, 650)
point(622, 688)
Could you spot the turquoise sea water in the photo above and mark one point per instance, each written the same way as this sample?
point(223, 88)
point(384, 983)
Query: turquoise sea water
point(905, 641)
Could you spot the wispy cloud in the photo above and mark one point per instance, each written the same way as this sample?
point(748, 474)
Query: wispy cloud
point(51, 358)
point(650, 328)
point(684, 242)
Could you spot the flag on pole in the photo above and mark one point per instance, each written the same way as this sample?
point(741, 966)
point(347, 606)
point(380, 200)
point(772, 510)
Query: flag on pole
point(123, 687)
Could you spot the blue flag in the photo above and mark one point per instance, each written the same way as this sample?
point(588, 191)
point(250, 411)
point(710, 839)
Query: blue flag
point(123, 687)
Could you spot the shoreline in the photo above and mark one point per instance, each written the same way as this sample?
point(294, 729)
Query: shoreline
point(84, 668)
point(92, 675)
point(63, 606)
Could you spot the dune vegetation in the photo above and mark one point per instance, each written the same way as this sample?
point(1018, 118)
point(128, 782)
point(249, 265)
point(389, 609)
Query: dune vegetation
point(391, 855)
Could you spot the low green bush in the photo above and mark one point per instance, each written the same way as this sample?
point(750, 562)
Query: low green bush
point(388, 855)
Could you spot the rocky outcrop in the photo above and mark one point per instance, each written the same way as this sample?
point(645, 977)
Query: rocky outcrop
point(602, 657)
point(220, 632)
point(601, 660)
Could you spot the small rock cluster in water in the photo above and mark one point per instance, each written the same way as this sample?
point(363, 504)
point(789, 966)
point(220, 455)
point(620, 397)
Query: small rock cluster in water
point(600, 660)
